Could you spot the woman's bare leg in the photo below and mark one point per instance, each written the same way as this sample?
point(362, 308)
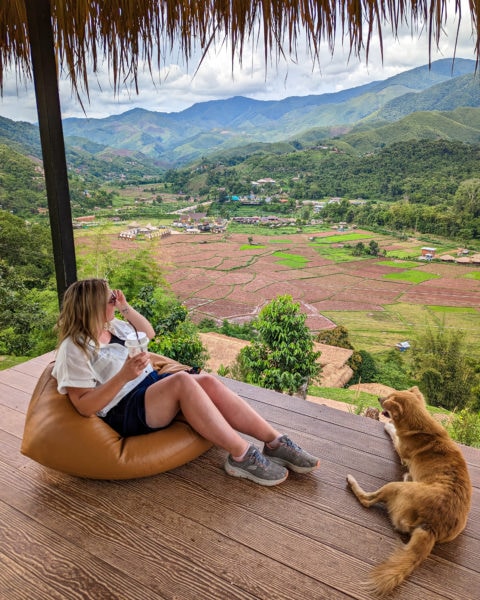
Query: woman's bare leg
point(239, 414)
point(184, 392)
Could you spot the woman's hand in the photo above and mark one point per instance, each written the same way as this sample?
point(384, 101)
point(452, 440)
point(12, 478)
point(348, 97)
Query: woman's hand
point(134, 365)
point(121, 303)
point(90, 400)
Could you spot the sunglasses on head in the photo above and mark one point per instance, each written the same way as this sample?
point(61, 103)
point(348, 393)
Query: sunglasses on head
point(113, 298)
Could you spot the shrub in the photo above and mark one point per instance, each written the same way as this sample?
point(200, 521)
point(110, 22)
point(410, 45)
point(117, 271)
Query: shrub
point(464, 427)
point(283, 358)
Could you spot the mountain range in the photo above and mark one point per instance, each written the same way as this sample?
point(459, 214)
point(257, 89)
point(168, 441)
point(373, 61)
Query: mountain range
point(428, 102)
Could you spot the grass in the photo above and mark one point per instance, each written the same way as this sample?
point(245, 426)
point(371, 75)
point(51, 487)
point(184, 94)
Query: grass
point(398, 264)
point(453, 309)
point(252, 246)
point(294, 261)
point(338, 255)
point(342, 395)
point(411, 276)
point(473, 275)
point(377, 331)
point(358, 399)
point(407, 254)
point(342, 238)
point(6, 362)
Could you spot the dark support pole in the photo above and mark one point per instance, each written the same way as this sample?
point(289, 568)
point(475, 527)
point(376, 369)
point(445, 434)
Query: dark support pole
point(45, 77)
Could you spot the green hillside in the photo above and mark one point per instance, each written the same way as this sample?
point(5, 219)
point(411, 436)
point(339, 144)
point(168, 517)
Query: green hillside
point(425, 171)
point(22, 185)
point(461, 125)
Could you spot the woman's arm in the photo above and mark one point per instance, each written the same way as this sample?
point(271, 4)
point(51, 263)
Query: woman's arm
point(132, 315)
point(88, 401)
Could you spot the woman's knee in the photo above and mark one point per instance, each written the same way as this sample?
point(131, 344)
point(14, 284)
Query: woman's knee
point(207, 381)
point(182, 379)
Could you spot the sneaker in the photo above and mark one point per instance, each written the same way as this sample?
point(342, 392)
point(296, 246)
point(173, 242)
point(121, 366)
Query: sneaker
point(256, 467)
point(292, 456)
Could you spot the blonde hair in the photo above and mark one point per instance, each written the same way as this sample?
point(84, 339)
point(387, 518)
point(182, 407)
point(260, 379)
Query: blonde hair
point(83, 312)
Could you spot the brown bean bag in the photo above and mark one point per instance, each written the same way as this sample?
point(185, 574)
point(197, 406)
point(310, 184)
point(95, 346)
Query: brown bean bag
point(57, 436)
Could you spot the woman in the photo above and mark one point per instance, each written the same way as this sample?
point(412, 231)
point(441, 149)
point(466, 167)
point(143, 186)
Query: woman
point(94, 368)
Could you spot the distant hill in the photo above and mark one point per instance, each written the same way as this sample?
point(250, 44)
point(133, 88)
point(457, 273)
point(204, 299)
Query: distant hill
point(95, 161)
point(462, 125)
point(173, 139)
point(440, 102)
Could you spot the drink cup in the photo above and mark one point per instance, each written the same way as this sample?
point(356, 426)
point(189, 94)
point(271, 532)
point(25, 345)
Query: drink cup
point(136, 345)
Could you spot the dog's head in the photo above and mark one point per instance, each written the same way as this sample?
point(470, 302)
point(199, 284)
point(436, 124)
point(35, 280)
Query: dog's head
point(404, 407)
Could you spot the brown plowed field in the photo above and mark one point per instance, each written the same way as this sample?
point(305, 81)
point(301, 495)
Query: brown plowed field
point(216, 277)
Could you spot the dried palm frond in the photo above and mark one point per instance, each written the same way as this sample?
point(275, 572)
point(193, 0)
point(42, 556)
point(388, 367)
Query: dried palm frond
point(126, 33)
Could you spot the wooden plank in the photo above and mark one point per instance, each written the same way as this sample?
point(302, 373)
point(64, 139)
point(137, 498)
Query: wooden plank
point(39, 563)
point(14, 398)
point(12, 421)
point(16, 380)
point(146, 537)
point(197, 533)
point(33, 367)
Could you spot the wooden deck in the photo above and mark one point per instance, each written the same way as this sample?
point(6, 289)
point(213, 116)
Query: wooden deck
point(196, 533)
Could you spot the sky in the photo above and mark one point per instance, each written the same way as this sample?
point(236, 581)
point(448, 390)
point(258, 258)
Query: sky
point(177, 86)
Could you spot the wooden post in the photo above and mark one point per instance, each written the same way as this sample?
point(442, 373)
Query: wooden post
point(45, 78)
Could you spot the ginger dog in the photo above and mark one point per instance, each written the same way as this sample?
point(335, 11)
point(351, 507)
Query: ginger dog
point(433, 501)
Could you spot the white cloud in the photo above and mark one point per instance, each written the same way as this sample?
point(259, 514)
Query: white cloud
point(176, 87)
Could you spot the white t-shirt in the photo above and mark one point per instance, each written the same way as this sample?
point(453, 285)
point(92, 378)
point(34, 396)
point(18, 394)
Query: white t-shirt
point(73, 368)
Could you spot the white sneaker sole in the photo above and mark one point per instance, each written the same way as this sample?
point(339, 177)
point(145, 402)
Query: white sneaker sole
point(237, 472)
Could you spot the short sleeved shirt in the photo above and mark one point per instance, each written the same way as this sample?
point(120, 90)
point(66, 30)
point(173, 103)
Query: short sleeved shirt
point(74, 368)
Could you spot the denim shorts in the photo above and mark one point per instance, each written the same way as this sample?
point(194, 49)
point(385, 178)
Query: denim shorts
point(128, 416)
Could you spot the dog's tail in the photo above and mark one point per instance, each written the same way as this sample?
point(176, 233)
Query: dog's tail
point(402, 562)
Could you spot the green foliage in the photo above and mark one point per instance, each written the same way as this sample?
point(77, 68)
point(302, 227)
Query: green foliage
point(176, 336)
point(338, 336)
point(27, 316)
point(160, 307)
point(22, 187)
point(28, 301)
point(366, 370)
point(440, 364)
point(392, 371)
point(223, 371)
point(464, 427)
point(27, 247)
point(243, 331)
point(129, 271)
point(282, 358)
point(182, 344)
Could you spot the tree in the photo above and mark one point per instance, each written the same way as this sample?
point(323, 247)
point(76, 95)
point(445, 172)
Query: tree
point(467, 199)
point(338, 336)
point(176, 336)
point(365, 369)
point(373, 248)
point(441, 366)
point(283, 358)
point(27, 316)
point(28, 248)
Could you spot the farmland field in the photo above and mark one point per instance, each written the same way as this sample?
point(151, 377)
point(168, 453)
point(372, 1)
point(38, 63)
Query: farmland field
point(380, 300)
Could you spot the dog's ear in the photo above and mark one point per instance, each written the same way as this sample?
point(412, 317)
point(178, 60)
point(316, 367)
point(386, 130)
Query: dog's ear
point(416, 392)
point(394, 409)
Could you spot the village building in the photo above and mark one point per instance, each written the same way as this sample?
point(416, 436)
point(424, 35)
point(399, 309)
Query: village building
point(427, 253)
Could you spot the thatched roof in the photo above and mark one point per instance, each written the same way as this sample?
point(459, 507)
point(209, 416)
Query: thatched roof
point(447, 257)
point(128, 32)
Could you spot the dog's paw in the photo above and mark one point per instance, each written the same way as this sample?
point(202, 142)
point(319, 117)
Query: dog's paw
point(390, 429)
point(351, 480)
